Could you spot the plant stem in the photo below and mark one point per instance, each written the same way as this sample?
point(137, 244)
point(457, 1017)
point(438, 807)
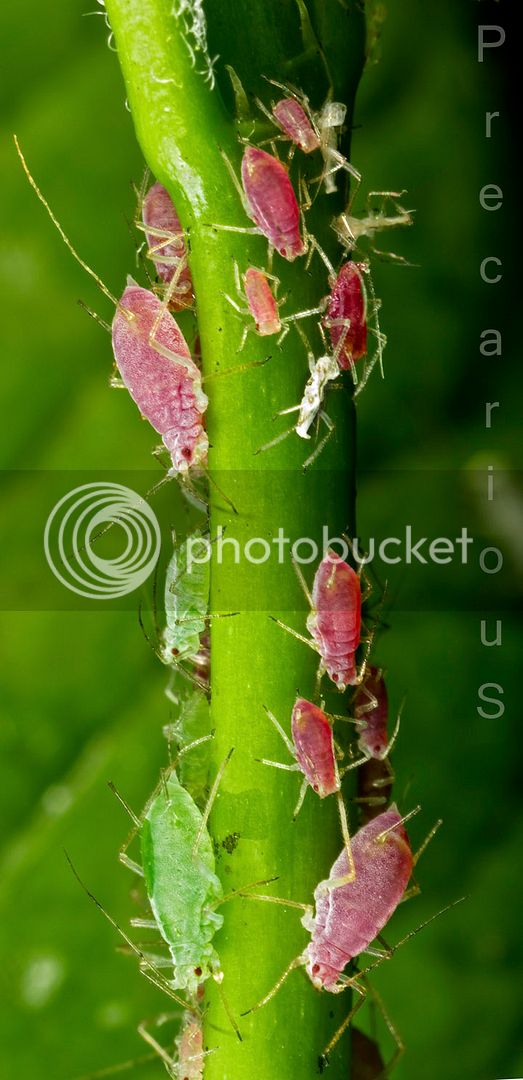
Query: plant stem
point(181, 125)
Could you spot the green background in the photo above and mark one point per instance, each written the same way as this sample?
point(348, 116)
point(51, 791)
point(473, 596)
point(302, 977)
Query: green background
point(82, 694)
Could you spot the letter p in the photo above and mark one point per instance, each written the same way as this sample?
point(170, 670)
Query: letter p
point(484, 43)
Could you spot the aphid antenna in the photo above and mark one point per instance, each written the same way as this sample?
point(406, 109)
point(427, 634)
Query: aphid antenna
point(97, 318)
point(243, 892)
point(64, 236)
point(147, 969)
point(227, 1008)
point(381, 837)
point(295, 634)
point(133, 1063)
point(212, 795)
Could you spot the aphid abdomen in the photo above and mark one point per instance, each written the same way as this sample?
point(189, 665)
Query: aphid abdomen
point(314, 747)
point(190, 1052)
point(261, 301)
point(346, 316)
point(181, 884)
point(348, 919)
point(186, 601)
point(372, 720)
point(271, 202)
point(294, 122)
point(167, 247)
point(160, 375)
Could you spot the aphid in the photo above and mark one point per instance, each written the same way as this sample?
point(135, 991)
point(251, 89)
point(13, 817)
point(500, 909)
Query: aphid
point(263, 305)
point(322, 371)
point(268, 199)
point(334, 621)
point(350, 315)
point(192, 727)
point(167, 247)
point(347, 920)
point(186, 603)
point(350, 229)
point(271, 203)
point(154, 361)
point(178, 868)
point(312, 747)
point(187, 1062)
point(371, 711)
point(309, 130)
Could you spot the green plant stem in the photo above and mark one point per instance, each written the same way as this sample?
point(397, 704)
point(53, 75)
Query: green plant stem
point(181, 125)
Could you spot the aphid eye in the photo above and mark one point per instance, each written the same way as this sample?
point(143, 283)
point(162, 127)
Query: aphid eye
point(186, 453)
point(197, 972)
point(315, 969)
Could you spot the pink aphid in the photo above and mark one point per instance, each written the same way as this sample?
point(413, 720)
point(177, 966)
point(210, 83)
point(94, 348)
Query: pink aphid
point(314, 747)
point(262, 302)
point(335, 619)
point(167, 247)
point(154, 361)
point(372, 714)
point(291, 117)
point(348, 919)
point(346, 315)
point(271, 202)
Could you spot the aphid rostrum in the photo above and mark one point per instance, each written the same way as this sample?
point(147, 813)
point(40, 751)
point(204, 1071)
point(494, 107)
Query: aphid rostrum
point(166, 245)
point(314, 754)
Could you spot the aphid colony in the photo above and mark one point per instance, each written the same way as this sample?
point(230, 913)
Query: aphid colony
point(371, 874)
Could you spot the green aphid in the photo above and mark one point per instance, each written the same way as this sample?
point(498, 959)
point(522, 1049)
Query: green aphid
point(186, 601)
point(181, 883)
point(193, 726)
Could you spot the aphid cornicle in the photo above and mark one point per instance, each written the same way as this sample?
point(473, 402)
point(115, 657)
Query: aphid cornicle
point(155, 363)
point(167, 247)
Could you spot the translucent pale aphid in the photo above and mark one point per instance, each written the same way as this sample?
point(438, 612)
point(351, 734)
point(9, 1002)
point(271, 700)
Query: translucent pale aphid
point(335, 619)
point(186, 602)
point(346, 315)
point(271, 202)
point(366, 1060)
point(181, 883)
point(154, 361)
point(190, 1052)
point(350, 229)
point(262, 302)
point(292, 118)
point(371, 711)
point(348, 919)
point(167, 247)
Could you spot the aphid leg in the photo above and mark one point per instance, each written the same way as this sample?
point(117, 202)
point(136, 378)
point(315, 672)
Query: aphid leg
point(282, 734)
point(353, 985)
point(304, 587)
point(145, 1034)
point(412, 933)
point(322, 443)
point(146, 967)
point(336, 883)
point(301, 797)
point(131, 864)
point(396, 1037)
point(299, 637)
point(212, 795)
point(297, 962)
point(227, 1008)
point(430, 835)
